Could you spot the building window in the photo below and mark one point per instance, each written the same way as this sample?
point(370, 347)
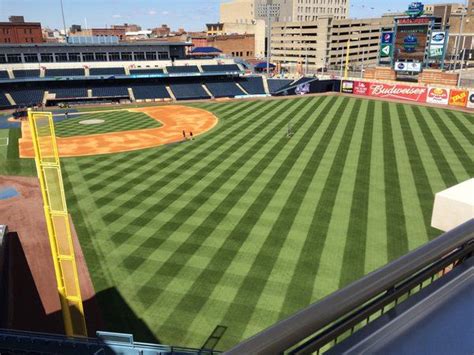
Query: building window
point(127, 56)
point(114, 56)
point(47, 57)
point(60, 57)
point(31, 58)
point(74, 57)
point(101, 57)
point(88, 57)
point(163, 56)
point(14, 58)
point(150, 55)
point(139, 55)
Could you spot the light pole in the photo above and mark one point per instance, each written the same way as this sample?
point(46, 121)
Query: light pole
point(460, 37)
point(461, 28)
point(64, 19)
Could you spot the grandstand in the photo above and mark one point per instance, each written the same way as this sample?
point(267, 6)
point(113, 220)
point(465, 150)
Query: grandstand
point(221, 67)
point(253, 85)
point(110, 91)
point(189, 91)
point(150, 91)
point(4, 74)
point(275, 85)
point(64, 72)
point(182, 69)
point(64, 93)
point(25, 97)
point(4, 103)
point(26, 73)
point(224, 88)
point(107, 71)
point(147, 71)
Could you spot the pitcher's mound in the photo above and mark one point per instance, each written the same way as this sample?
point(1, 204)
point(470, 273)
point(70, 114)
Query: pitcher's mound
point(89, 122)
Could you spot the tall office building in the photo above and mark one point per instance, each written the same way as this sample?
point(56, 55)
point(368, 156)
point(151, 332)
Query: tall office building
point(244, 11)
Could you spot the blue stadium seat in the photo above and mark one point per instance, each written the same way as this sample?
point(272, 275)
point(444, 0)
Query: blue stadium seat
point(110, 91)
point(4, 74)
point(182, 69)
point(65, 72)
point(27, 97)
point(107, 71)
point(224, 89)
point(277, 84)
point(24, 73)
point(189, 91)
point(152, 91)
point(65, 93)
point(220, 68)
point(253, 85)
point(3, 101)
point(146, 71)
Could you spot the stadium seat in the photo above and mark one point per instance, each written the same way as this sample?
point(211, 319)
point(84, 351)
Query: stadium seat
point(224, 89)
point(65, 72)
point(23, 73)
point(220, 68)
point(27, 97)
point(152, 91)
point(253, 85)
point(182, 69)
point(4, 103)
point(4, 74)
point(277, 84)
point(146, 71)
point(110, 91)
point(65, 93)
point(107, 71)
point(189, 91)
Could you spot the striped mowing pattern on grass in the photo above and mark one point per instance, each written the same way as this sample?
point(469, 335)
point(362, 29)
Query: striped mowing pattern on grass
point(245, 226)
point(115, 121)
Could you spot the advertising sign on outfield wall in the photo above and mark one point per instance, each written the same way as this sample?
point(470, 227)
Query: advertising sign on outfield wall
point(470, 101)
point(398, 92)
point(361, 88)
point(348, 87)
point(458, 97)
point(439, 96)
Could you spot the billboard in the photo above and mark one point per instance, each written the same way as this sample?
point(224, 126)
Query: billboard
point(438, 38)
point(361, 88)
point(436, 51)
point(439, 96)
point(348, 87)
point(470, 100)
point(458, 97)
point(387, 38)
point(408, 66)
point(398, 92)
point(410, 43)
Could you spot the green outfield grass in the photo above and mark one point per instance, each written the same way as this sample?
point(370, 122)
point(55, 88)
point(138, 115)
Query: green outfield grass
point(115, 121)
point(10, 162)
point(244, 226)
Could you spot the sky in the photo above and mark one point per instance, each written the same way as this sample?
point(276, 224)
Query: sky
point(189, 14)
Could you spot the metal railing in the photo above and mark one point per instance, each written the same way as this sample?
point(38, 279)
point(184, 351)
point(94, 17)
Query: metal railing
point(322, 325)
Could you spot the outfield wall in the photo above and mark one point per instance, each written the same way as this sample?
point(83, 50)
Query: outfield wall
point(461, 98)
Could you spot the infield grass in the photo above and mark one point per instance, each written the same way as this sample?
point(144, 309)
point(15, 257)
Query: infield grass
point(244, 226)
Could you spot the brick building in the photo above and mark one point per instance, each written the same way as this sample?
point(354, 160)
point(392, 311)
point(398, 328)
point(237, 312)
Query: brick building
point(241, 46)
point(19, 31)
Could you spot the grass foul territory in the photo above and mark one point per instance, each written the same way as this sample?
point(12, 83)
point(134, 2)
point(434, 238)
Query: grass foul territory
point(244, 225)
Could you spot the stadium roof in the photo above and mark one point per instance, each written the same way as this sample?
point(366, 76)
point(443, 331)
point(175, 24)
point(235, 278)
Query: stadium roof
point(205, 50)
point(263, 65)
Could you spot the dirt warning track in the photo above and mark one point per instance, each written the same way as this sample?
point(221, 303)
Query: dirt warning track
point(175, 119)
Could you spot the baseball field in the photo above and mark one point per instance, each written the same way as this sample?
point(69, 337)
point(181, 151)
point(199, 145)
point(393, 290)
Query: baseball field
point(244, 225)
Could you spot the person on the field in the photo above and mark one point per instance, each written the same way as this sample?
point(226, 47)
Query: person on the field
point(191, 135)
point(184, 134)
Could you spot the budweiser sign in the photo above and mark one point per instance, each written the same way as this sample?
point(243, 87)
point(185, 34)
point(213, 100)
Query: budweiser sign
point(398, 92)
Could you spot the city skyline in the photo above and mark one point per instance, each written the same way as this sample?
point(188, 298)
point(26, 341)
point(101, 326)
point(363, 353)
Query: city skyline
point(150, 14)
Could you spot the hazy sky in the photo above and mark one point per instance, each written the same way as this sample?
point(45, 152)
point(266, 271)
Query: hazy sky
point(190, 14)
